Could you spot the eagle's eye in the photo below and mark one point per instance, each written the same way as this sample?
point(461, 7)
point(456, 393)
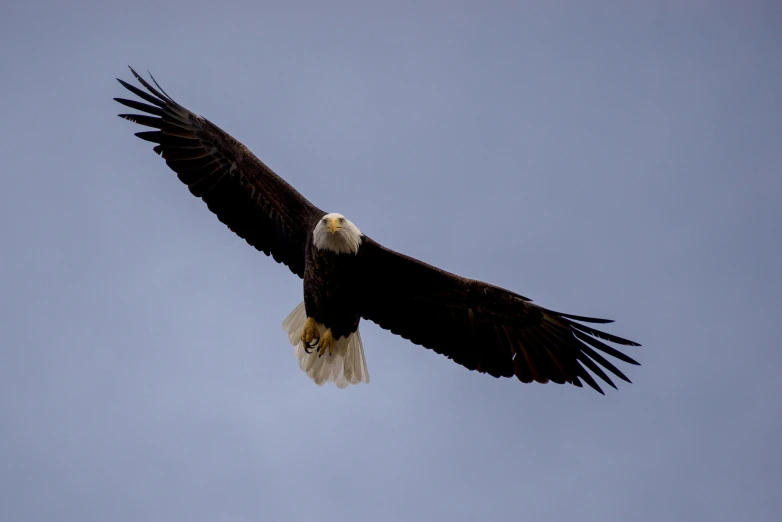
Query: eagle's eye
point(341, 220)
point(325, 221)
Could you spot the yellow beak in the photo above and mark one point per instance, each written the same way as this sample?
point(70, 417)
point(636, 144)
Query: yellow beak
point(333, 225)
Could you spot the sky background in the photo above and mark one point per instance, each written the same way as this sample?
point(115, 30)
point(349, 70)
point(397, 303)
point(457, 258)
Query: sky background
point(620, 159)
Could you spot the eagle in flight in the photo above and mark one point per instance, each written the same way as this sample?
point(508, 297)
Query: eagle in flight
point(347, 276)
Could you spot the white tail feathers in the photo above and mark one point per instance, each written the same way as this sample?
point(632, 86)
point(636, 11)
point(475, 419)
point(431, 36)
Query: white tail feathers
point(346, 365)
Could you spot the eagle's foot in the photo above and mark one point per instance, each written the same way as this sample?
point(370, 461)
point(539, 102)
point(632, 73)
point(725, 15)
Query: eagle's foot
point(310, 335)
point(326, 343)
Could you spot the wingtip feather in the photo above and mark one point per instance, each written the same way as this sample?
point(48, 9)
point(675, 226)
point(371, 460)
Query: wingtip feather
point(586, 319)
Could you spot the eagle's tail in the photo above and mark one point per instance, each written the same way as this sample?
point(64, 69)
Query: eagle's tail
point(346, 365)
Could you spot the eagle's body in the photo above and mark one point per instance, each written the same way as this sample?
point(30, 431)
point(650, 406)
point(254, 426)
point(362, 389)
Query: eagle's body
point(347, 276)
point(332, 283)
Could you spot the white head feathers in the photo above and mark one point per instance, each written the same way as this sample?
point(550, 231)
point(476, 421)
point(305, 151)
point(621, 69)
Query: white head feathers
point(334, 232)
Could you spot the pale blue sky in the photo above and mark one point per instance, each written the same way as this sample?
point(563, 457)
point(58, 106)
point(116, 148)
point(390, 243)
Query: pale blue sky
point(620, 159)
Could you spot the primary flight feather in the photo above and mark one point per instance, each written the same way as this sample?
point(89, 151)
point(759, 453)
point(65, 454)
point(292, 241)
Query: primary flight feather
point(348, 277)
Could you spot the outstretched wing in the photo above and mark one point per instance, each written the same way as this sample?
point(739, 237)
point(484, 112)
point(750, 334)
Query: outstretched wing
point(240, 189)
point(481, 326)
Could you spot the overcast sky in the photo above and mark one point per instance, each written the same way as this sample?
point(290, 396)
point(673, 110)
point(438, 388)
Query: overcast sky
point(620, 160)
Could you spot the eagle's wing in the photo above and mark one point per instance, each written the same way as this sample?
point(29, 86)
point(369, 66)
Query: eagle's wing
point(240, 189)
point(481, 326)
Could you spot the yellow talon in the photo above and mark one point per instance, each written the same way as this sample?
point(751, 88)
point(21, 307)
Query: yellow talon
point(326, 342)
point(309, 333)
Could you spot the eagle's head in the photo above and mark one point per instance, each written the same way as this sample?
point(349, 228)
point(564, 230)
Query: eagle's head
point(336, 233)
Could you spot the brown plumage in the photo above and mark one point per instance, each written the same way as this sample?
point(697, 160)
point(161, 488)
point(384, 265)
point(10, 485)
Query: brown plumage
point(480, 326)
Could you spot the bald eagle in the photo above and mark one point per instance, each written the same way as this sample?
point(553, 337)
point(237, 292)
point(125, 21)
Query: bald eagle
point(347, 276)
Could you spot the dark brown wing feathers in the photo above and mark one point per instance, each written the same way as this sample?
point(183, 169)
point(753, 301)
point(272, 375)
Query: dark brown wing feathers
point(242, 191)
point(481, 326)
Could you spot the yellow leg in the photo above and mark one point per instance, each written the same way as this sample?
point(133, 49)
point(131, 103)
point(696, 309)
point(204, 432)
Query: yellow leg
point(326, 342)
point(309, 333)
